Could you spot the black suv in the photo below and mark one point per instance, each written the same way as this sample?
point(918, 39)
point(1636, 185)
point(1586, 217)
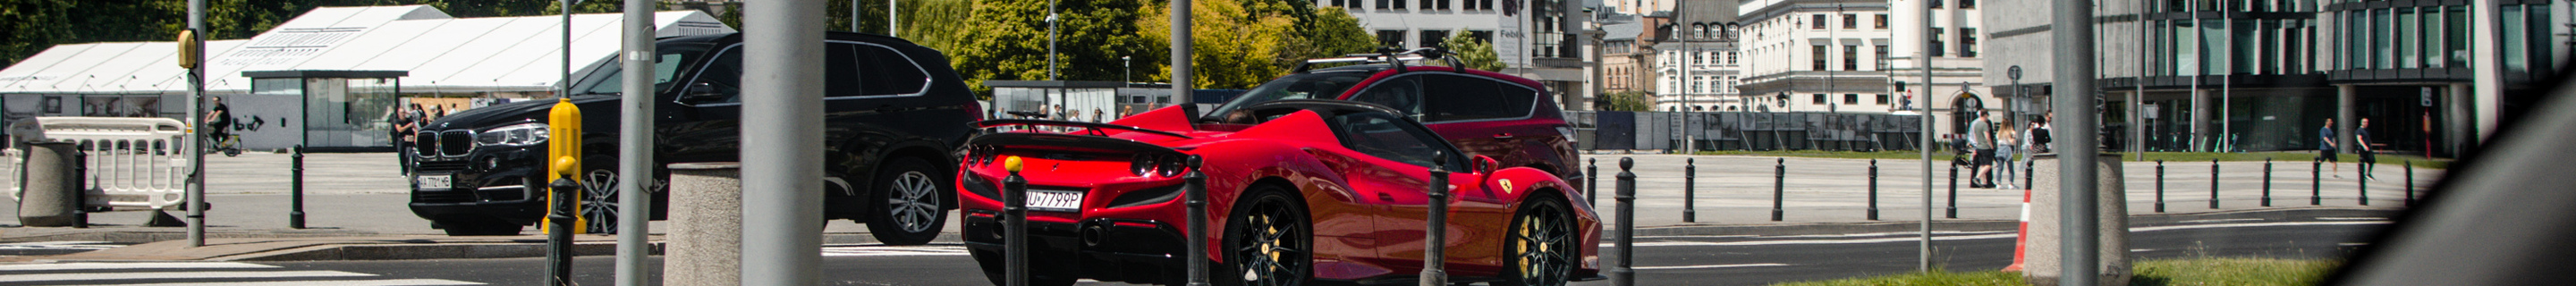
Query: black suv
point(894, 112)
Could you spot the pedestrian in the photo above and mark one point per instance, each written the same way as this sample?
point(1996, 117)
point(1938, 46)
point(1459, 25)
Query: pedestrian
point(2361, 145)
point(399, 121)
point(2326, 148)
point(2007, 144)
point(219, 123)
point(1981, 138)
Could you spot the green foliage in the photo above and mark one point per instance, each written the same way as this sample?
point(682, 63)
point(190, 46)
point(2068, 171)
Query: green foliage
point(1007, 39)
point(1242, 43)
point(1621, 101)
point(1476, 53)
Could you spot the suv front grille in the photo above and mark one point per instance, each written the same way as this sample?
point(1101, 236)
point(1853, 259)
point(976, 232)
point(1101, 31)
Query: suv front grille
point(425, 144)
point(455, 143)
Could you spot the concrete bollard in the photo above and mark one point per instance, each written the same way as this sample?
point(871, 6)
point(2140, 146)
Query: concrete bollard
point(1621, 273)
point(2042, 264)
point(705, 238)
point(52, 186)
point(1690, 190)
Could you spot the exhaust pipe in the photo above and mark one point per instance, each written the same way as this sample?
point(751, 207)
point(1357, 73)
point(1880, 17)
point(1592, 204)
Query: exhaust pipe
point(1093, 235)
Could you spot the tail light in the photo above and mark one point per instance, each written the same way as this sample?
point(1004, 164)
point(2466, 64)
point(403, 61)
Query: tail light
point(1166, 165)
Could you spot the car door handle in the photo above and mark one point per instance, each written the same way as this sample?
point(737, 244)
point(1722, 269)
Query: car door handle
point(1385, 197)
point(1503, 136)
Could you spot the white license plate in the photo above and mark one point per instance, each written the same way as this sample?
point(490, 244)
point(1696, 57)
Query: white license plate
point(434, 182)
point(1047, 200)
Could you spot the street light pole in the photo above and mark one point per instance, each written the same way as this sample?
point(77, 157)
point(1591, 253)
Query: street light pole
point(1050, 20)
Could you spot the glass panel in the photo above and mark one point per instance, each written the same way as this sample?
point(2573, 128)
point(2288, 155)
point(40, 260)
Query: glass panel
point(2517, 41)
point(2407, 39)
point(2385, 55)
point(2213, 46)
point(2431, 27)
point(2456, 36)
point(2241, 59)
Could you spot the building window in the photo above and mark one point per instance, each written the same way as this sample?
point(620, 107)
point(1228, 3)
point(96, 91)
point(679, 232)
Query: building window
point(1382, 4)
point(1819, 98)
point(1936, 4)
point(1819, 57)
point(1882, 21)
point(1435, 38)
point(1882, 99)
point(1967, 40)
point(1730, 57)
point(1819, 23)
point(1851, 57)
point(1851, 21)
point(1882, 57)
point(1936, 42)
point(1851, 98)
point(1972, 4)
point(1390, 38)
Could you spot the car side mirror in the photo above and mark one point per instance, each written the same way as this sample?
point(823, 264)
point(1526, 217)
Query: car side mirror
point(700, 92)
point(1484, 165)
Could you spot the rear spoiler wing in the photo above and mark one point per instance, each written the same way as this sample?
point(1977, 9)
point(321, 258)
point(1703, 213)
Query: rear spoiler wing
point(1092, 137)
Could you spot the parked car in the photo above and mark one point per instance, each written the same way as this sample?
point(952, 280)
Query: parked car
point(1485, 113)
point(1299, 192)
point(894, 116)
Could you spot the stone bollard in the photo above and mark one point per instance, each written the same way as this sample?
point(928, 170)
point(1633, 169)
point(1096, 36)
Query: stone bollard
point(705, 240)
point(2042, 263)
point(52, 185)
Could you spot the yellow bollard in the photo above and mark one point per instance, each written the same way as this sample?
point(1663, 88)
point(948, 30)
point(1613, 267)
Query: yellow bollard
point(564, 145)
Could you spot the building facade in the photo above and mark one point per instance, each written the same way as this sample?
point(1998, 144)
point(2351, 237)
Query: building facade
point(1534, 39)
point(1823, 55)
point(1699, 63)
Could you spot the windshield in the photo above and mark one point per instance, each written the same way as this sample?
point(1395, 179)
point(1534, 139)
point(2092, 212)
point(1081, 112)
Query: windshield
point(1317, 85)
point(610, 79)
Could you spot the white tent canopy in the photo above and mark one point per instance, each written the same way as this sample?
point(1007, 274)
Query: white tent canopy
point(442, 53)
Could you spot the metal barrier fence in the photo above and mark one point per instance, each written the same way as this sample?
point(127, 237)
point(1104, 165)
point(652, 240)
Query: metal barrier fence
point(1709, 131)
point(130, 162)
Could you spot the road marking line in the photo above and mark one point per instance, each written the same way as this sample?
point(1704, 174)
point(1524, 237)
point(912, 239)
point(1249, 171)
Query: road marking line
point(2221, 220)
point(856, 251)
point(2351, 217)
point(1706, 266)
point(1988, 236)
point(177, 275)
point(394, 282)
point(129, 265)
point(57, 243)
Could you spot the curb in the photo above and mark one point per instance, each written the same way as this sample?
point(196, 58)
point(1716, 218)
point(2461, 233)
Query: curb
point(340, 245)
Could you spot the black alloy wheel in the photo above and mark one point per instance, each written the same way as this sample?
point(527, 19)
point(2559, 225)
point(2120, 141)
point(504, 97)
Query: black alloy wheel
point(599, 194)
point(1541, 244)
point(909, 195)
point(1267, 241)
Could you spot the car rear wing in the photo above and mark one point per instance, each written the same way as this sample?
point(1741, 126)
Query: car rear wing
point(1096, 129)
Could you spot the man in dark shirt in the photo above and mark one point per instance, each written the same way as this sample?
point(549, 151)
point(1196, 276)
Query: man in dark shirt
point(2326, 147)
point(2361, 145)
point(219, 120)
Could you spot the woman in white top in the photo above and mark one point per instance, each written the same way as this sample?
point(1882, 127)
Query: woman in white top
point(2005, 145)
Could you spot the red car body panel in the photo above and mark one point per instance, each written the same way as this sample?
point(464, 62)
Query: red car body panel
point(1366, 213)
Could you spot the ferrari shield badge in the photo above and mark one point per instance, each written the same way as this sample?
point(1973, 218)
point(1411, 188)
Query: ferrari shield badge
point(1507, 186)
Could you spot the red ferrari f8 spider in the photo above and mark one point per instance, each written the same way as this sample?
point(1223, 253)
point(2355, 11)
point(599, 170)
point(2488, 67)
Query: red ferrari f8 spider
point(1302, 192)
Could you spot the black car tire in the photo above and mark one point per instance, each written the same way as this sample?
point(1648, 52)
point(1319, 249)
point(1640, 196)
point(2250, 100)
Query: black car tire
point(1541, 244)
point(910, 202)
point(1267, 222)
point(481, 227)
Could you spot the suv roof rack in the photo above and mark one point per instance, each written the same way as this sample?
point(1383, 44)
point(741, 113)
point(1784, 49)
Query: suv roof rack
point(1389, 55)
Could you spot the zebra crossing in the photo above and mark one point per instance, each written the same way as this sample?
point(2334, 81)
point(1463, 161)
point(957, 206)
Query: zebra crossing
point(53, 247)
point(883, 250)
point(192, 273)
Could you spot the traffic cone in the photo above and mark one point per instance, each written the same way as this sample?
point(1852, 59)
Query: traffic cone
point(2021, 242)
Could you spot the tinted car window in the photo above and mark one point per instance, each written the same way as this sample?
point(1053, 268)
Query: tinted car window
point(1384, 136)
point(1317, 85)
point(1455, 97)
point(1403, 93)
point(666, 65)
point(723, 77)
point(889, 72)
point(841, 75)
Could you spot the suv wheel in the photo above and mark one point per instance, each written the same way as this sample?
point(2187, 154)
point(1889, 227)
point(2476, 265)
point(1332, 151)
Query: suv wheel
point(909, 197)
point(599, 194)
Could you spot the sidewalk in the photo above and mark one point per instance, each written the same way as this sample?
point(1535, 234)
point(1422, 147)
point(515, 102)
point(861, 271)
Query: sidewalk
point(356, 204)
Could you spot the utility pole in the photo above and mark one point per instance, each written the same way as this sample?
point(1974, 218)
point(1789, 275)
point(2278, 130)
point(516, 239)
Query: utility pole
point(1050, 19)
point(1198, 260)
point(196, 204)
point(2074, 81)
point(1923, 58)
point(635, 143)
point(783, 209)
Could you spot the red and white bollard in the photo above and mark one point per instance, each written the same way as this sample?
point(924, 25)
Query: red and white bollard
point(2021, 242)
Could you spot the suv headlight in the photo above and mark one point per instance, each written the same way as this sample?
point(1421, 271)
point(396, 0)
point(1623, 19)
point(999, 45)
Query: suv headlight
point(513, 135)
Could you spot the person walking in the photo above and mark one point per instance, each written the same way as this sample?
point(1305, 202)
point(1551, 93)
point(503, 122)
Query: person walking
point(2361, 145)
point(399, 127)
point(1981, 137)
point(2326, 148)
point(2006, 146)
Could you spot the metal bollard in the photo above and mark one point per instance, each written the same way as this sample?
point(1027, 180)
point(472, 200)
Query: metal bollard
point(1015, 222)
point(2160, 186)
point(2316, 185)
point(1779, 183)
point(1621, 274)
point(2410, 184)
point(1873, 189)
point(559, 236)
point(2213, 183)
point(2362, 185)
point(1690, 190)
point(1954, 191)
point(295, 205)
point(2267, 182)
point(1592, 181)
point(1435, 250)
point(1196, 184)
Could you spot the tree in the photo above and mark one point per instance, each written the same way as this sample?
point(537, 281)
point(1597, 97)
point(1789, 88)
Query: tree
point(1625, 101)
point(1007, 40)
point(1243, 43)
point(1473, 52)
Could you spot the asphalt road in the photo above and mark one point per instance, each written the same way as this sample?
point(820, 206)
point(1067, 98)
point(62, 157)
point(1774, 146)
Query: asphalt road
point(1669, 260)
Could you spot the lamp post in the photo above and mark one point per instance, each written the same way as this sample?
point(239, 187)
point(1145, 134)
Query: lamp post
point(1125, 67)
